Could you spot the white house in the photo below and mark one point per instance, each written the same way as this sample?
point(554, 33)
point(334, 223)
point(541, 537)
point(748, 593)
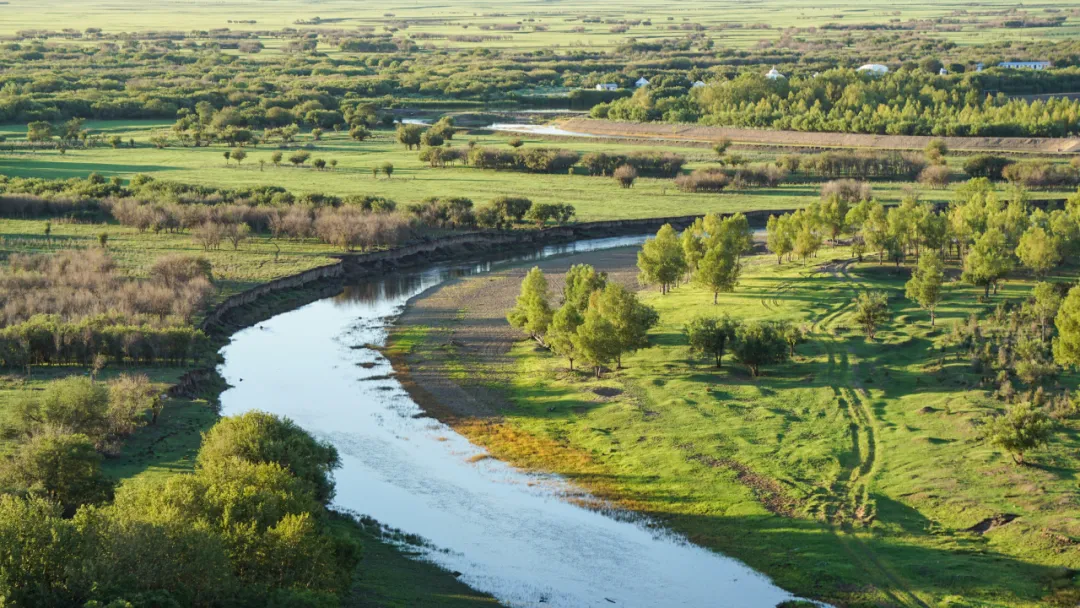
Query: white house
point(697, 85)
point(641, 82)
point(942, 72)
point(874, 68)
point(773, 74)
point(1025, 65)
point(607, 86)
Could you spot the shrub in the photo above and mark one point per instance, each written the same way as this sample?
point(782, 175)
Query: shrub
point(703, 180)
point(935, 176)
point(625, 175)
point(849, 190)
point(986, 165)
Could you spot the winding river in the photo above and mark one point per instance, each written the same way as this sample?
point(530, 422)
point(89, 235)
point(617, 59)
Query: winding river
point(508, 533)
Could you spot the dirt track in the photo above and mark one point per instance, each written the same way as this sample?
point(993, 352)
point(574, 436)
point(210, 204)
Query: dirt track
point(697, 135)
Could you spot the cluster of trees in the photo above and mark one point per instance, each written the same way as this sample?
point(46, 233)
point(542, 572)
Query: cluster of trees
point(501, 212)
point(988, 235)
point(865, 164)
point(710, 253)
point(597, 322)
point(754, 344)
point(249, 526)
point(716, 179)
point(902, 102)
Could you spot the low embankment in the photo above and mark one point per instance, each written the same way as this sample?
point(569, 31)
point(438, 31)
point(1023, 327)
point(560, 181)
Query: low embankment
point(320, 281)
point(698, 135)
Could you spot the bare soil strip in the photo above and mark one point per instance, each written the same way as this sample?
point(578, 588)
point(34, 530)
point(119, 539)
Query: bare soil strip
point(697, 134)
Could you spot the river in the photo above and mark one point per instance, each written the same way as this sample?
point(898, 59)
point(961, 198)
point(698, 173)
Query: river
point(511, 534)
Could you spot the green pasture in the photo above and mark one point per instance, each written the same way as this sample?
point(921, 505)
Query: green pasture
point(874, 445)
point(558, 21)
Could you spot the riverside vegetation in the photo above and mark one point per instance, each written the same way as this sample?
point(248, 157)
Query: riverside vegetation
point(888, 396)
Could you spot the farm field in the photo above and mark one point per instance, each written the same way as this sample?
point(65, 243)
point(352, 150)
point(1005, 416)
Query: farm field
point(853, 473)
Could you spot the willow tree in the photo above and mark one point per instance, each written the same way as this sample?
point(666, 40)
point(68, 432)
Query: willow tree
point(532, 312)
point(661, 259)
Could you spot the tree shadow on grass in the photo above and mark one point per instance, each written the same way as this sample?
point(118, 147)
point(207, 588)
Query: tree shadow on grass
point(59, 169)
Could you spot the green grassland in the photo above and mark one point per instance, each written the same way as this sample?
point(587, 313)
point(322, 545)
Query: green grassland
point(560, 18)
point(852, 473)
point(595, 198)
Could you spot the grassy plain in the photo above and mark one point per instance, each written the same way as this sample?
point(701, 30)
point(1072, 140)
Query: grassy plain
point(595, 198)
point(854, 473)
point(559, 20)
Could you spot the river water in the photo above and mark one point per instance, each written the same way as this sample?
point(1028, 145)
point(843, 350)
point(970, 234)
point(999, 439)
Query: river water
point(511, 534)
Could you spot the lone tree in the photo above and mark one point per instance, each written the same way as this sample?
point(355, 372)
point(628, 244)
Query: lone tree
point(276, 158)
point(758, 343)
point(710, 336)
point(299, 158)
point(661, 259)
point(515, 143)
point(239, 155)
point(1023, 428)
point(625, 175)
point(227, 154)
point(532, 313)
point(871, 311)
point(924, 287)
point(387, 169)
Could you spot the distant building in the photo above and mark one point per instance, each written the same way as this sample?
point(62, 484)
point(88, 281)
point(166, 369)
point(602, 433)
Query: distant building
point(873, 68)
point(942, 72)
point(773, 74)
point(697, 85)
point(607, 86)
point(1025, 65)
point(979, 67)
point(641, 82)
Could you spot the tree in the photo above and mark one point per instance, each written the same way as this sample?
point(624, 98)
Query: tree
point(59, 467)
point(515, 143)
point(793, 334)
point(227, 154)
point(1039, 251)
point(1023, 428)
point(596, 339)
point(316, 134)
point(871, 311)
point(74, 404)
point(625, 175)
point(719, 270)
point(532, 312)
point(661, 259)
point(778, 236)
point(1044, 305)
point(258, 437)
point(359, 133)
point(580, 283)
point(924, 287)
point(720, 147)
point(693, 245)
point(276, 158)
point(935, 151)
point(562, 332)
point(630, 319)
point(1067, 321)
point(432, 139)
point(710, 336)
point(409, 135)
point(512, 208)
point(758, 343)
point(131, 399)
point(239, 155)
point(988, 261)
point(319, 164)
point(388, 169)
point(39, 131)
point(299, 158)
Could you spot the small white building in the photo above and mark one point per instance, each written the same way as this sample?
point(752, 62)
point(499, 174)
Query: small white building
point(607, 86)
point(942, 72)
point(1025, 65)
point(697, 85)
point(873, 68)
point(979, 67)
point(641, 82)
point(773, 74)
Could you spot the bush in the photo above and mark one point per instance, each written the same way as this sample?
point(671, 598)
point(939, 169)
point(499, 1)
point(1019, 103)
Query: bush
point(849, 190)
point(1041, 174)
point(703, 180)
point(757, 176)
point(986, 165)
point(935, 176)
point(625, 175)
